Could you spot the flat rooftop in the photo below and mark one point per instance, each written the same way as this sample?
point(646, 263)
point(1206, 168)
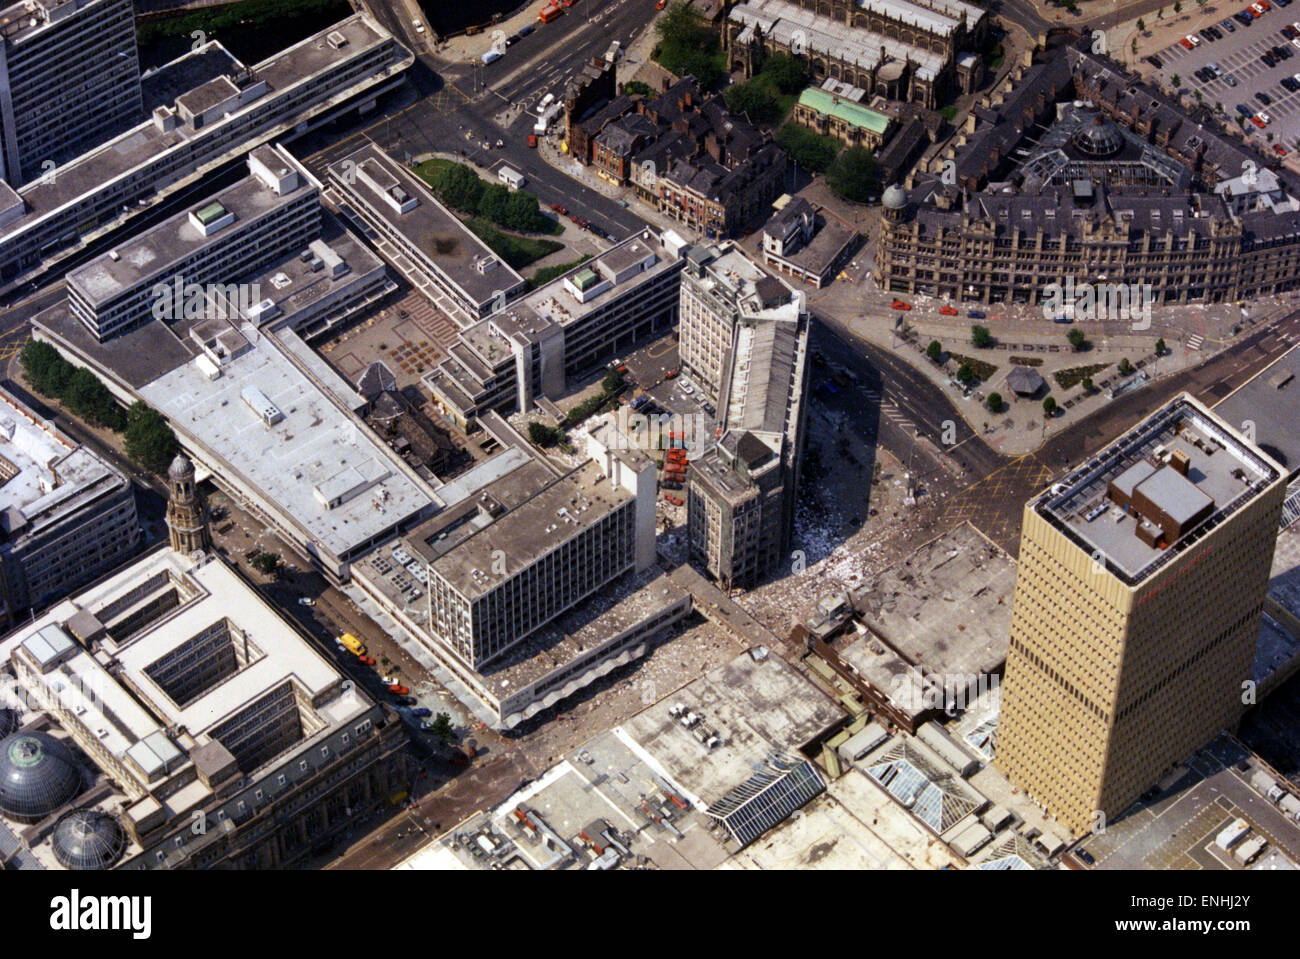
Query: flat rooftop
point(430, 227)
point(300, 64)
point(755, 707)
point(43, 475)
point(160, 249)
point(143, 354)
point(555, 305)
point(538, 512)
point(1223, 471)
point(946, 606)
point(1271, 401)
point(129, 708)
point(315, 454)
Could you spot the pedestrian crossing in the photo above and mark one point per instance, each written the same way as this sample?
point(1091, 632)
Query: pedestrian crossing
point(1194, 341)
point(891, 410)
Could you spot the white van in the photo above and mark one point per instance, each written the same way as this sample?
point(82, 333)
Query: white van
point(546, 102)
point(511, 177)
point(492, 56)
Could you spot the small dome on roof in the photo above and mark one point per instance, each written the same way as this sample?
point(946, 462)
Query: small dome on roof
point(895, 197)
point(38, 774)
point(181, 468)
point(88, 839)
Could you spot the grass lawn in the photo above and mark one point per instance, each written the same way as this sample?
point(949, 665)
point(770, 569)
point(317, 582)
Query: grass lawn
point(518, 251)
point(1070, 377)
point(984, 370)
point(548, 273)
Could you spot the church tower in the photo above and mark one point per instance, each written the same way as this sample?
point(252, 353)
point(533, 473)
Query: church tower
point(187, 516)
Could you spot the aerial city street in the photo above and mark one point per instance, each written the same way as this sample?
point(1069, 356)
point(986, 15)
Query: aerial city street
point(651, 434)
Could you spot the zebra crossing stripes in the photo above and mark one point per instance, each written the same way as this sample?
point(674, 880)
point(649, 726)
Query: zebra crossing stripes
point(1194, 341)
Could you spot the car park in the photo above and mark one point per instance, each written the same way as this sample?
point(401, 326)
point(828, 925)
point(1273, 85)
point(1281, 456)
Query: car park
point(1229, 79)
point(1086, 856)
point(1244, 110)
point(1263, 98)
point(1228, 25)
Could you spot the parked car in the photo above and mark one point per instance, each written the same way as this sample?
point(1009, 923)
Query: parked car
point(1228, 25)
point(1244, 110)
point(1081, 852)
point(948, 310)
point(1263, 98)
point(421, 711)
point(1279, 149)
point(532, 141)
point(1229, 79)
point(306, 601)
point(366, 660)
point(671, 484)
point(900, 305)
point(399, 689)
point(977, 314)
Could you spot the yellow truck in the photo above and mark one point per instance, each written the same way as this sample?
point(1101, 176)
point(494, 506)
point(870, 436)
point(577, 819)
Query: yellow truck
point(352, 644)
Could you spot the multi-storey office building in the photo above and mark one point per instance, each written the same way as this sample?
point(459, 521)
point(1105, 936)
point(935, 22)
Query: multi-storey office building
point(69, 79)
point(533, 583)
point(444, 259)
point(232, 234)
point(1141, 580)
point(195, 701)
point(344, 67)
point(563, 330)
point(746, 336)
point(66, 516)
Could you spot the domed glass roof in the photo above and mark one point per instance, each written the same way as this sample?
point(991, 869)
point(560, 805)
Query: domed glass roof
point(38, 774)
point(1099, 139)
point(88, 839)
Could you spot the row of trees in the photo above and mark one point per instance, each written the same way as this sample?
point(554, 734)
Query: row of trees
point(149, 441)
point(458, 186)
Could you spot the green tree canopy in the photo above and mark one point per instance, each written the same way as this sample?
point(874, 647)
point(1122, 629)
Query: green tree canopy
point(788, 73)
point(854, 175)
point(150, 442)
point(812, 152)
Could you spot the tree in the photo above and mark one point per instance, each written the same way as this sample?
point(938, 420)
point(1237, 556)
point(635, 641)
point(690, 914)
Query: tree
point(755, 100)
point(442, 728)
point(965, 374)
point(934, 350)
point(149, 441)
point(1176, 81)
point(1049, 406)
point(45, 369)
point(687, 45)
point(786, 72)
point(459, 187)
point(1077, 339)
point(612, 383)
point(1161, 347)
point(1134, 46)
point(1086, 383)
point(1160, 14)
point(90, 399)
point(635, 88)
point(854, 175)
point(266, 563)
point(995, 402)
point(543, 435)
point(1178, 7)
point(980, 337)
point(1142, 26)
point(1124, 366)
point(812, 152)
